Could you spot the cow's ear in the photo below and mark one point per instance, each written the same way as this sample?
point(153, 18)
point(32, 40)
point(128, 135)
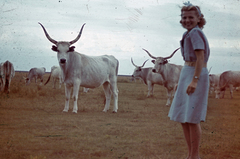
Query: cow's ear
point(54, 48)
point(71, 49)
point(153, 61)
point(165, 61)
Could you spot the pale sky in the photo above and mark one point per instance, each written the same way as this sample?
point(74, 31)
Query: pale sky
point(115, 27)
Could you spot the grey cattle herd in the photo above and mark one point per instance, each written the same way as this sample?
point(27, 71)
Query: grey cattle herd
point(76, 69)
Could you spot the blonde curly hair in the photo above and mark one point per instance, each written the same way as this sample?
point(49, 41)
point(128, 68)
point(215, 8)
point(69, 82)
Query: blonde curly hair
point(198, 12)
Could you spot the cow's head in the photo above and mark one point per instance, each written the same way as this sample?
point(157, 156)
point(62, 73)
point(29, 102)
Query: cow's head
point(62, 47)
point(159, 62)
point(220, 90)
point(138, 69)
point(27, 80)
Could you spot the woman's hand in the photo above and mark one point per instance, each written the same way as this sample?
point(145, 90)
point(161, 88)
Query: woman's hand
point(191, 87)
point(175, 87)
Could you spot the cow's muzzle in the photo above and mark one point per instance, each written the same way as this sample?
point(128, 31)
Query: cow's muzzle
point(62, 61)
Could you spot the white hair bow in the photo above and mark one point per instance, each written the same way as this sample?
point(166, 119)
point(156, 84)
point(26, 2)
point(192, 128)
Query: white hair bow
point(188, 4)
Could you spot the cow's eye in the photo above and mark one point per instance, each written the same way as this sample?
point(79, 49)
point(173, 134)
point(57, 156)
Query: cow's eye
point(71, 49)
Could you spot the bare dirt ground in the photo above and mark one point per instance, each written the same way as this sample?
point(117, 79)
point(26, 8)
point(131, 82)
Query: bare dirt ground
point(32, 125)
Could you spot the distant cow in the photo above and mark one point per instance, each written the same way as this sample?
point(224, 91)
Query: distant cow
point(35, 73)
point(229, 79)
point(6, 74)
point(150, 78)
point(214, 81)
point(170, 72)
point(86, 71)
point(56, 73)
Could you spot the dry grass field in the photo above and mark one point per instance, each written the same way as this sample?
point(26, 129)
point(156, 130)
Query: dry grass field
point(32, 125)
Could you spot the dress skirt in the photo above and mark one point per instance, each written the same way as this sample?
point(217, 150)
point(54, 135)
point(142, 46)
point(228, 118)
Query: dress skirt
point(190, 108)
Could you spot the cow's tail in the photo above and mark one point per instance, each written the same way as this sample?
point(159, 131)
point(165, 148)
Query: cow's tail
point(48, 78)
point(222, 88)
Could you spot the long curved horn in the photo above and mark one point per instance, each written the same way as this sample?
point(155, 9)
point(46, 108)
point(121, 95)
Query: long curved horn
point(172, 54)
point(150, 54)
point(49, 38)
point(78, 37)
point(144, 63)
point(133, 63)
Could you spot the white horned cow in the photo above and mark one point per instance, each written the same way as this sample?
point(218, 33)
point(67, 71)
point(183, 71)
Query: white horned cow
point(170, 72)
point(56, 73)
point(229, 79)
point(214, 81)
point(35, 73)
point(86, 71)
point(150, 78)
point(6, 74)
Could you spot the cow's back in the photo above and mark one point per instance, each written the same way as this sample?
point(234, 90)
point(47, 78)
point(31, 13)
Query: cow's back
point(36, 72)
point(230, 77)
point(92, 71)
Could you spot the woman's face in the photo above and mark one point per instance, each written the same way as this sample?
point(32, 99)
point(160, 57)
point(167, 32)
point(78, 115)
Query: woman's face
point(189, 19)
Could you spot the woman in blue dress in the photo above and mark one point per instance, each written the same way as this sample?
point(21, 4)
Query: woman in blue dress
point(189, 106)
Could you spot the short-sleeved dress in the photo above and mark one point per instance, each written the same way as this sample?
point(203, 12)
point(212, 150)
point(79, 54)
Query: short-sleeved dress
point(191, 108)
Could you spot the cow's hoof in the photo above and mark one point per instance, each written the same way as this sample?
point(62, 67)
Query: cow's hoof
point(74, 111)
point(105, 111)
point(167, 105)
point(114, 111)
point(65, 111)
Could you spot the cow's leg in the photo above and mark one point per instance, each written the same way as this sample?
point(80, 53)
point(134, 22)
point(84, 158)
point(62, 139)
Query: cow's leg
point(41, 81)
point(53, 82)
point(222, 93)
point(3, 83)
point(150, 89)
point(114, 91)
point(106, 88)
point(35, 79)
point(169, 93)
point(60, 82)
point(75, 96)
point(67, 94)
point(8, 87)
point(217, 94)
point(231, 90)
